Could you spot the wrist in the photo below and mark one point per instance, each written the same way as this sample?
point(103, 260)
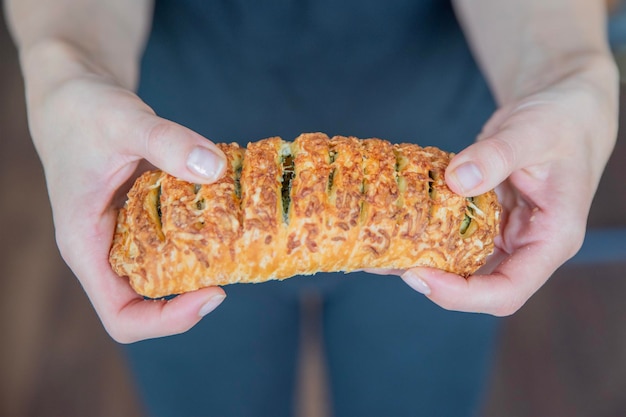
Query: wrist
point(58, 77)
point(526, 46)
point(596, 70)
point(64, 60)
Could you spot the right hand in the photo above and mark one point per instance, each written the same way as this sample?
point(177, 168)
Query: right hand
point(93, 138)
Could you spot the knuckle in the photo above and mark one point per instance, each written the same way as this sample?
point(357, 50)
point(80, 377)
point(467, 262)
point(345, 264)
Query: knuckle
point(117, 334)
point(505, 310)
point(502, 155)
point(567, 241)
point(574, 241)
point(452, 302)
point(63, 245)
point(122, 339)
point(155, 142)
point(66, 243)
point(508, 307)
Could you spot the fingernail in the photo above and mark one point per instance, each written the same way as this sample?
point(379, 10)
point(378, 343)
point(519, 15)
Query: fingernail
point(205, 163)
point(211, 304)
point(415, 282)
point(468, 176)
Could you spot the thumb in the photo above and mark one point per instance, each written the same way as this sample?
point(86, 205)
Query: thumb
point(487, 163)
point(177, 150)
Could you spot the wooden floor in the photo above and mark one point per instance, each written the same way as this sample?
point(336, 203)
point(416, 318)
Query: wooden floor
point(563, 354)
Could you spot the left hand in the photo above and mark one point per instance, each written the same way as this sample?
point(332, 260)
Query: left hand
point(545, 153)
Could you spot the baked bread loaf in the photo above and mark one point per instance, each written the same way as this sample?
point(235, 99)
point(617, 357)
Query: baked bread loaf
point(288, 208)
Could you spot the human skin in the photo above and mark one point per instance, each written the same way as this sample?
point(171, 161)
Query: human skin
point(545, 148)
point(550, 69)
point(93, 135)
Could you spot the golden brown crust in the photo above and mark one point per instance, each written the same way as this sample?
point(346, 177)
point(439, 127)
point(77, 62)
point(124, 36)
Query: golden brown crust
point(288, 208)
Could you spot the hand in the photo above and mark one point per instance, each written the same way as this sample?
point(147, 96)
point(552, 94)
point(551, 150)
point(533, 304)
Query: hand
point(546, 153)
point(93, 137)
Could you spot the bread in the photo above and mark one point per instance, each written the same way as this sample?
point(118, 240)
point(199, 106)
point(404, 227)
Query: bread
point(284, 209)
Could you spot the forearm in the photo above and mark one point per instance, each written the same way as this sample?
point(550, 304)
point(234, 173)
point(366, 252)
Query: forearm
point(524, 45)
point(62, 37)
point(549, 66)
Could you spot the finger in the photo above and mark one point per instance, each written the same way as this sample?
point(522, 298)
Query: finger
point(145, 319)
point(175, 149)
point(126, 315)
point(130, 317)
point(500, 293)
point(514, 145)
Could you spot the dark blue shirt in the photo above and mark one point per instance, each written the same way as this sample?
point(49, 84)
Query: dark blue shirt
point(241, 70)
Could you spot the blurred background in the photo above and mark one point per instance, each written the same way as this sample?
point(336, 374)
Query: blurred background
point(563, 354)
